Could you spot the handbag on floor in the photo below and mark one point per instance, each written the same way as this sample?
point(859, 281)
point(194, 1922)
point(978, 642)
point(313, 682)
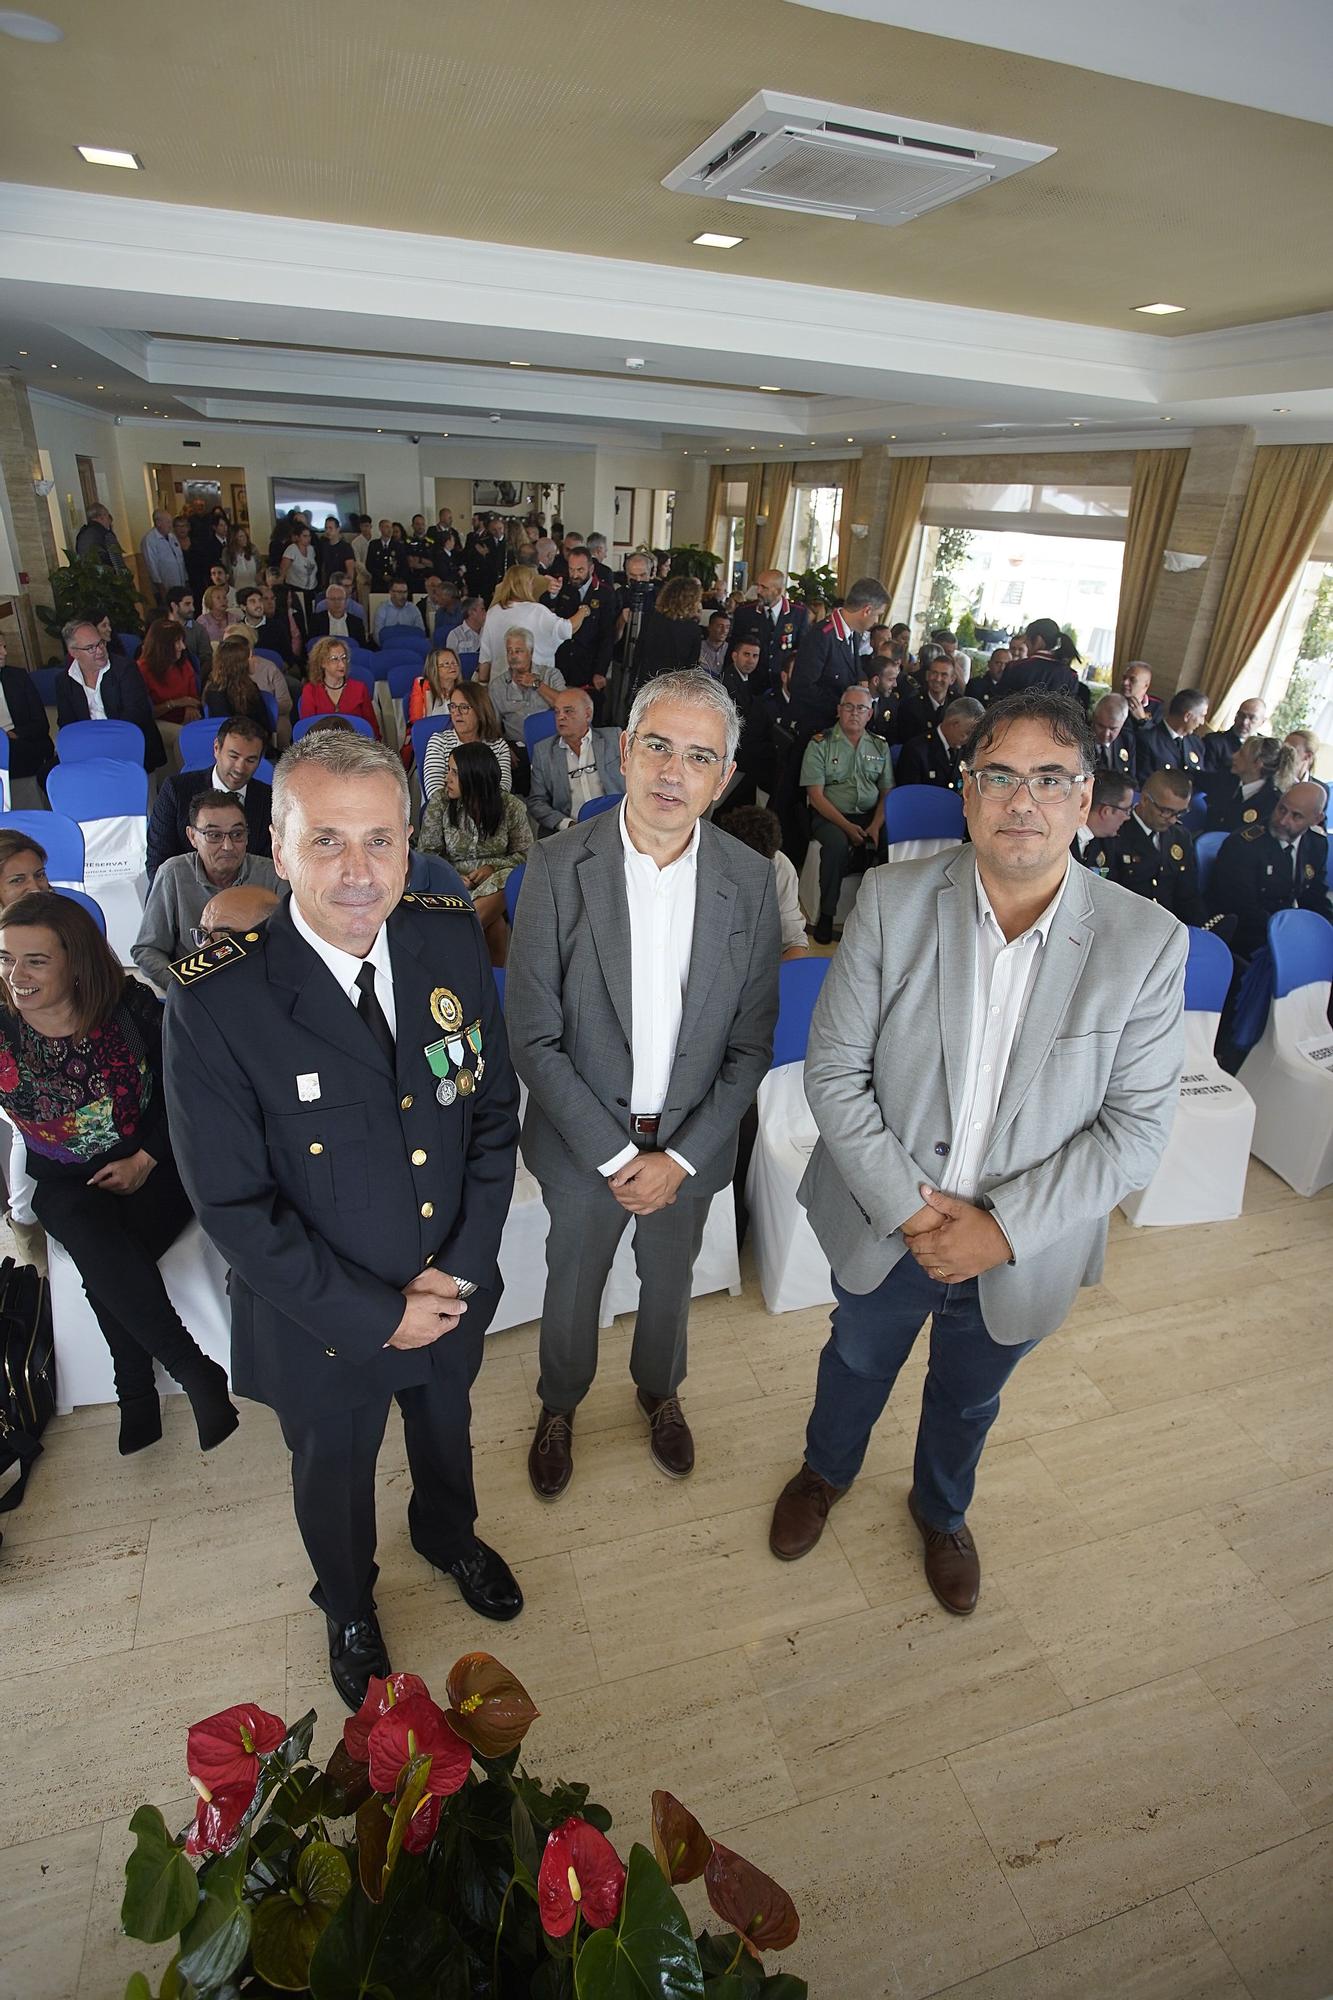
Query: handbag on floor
point(27, 1373)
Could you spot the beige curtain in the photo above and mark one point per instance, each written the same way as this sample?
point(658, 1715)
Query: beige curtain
point(754, 480)
point(776, 497)
point(850, 555)
point(1152, 506)
point(1289, 496)
point(907, 490)
point(713, 515)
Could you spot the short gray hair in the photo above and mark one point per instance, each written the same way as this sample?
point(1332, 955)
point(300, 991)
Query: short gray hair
point(692, 688)
point(73, 625)
point(522, 634)
point(342, 755)
point(596, 541)
point(963, 707)
point(866, 590)
point(1117, 701)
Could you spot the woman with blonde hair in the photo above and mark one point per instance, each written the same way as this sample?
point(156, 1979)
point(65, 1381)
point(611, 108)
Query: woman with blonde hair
point(1306, 746)
point(473, 720)
point(215, 614)
point(332, 688)
point(515, 603)
point(441, 671)
point(1262, 768)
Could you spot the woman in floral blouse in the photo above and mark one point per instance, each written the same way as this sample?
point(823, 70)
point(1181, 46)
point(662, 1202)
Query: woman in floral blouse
point(485, 833)
point(81, 1081)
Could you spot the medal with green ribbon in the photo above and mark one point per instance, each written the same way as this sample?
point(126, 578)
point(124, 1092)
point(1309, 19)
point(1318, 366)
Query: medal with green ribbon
point(437, 1055)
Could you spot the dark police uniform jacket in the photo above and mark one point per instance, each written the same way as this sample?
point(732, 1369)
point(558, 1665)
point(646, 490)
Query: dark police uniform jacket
point(928, 760)
point(1121, 755)
point(1219, 747)
point(885, 716)
point(1167, 874)
point(828, 660)
point(589, 651)
point(325, 1205)
point(1252, 879)
point(777, 639)
point(1229, 811)
point(1156, 749)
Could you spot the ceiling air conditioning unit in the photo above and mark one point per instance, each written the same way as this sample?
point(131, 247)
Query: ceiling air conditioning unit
point(809, 158)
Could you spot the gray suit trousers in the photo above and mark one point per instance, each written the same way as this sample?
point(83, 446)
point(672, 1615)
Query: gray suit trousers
point(587, 1223)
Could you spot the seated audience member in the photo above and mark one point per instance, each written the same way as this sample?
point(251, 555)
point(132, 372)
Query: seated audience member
point(519, 688)
point(1134, 684)
point(933, 759)
point(1153, 854)
point(337, 615)
point(483, 831)
point(757, 827)
point(81, 1082)
point(465, 637)
point(1221, 745)
point(269, 679)
point(22, 866)
point(923, 706)
point(272, 627)
point(214, 617)
point(96, 689)
point(217, 832)
point(1279, 866)
point(180, 609)
point(234, 911)
point(1260, 769)
point(237, 749)
point(1115, 737)
point(474, 721)
point(332, 688)
point(24, 721)
point(1112, 804)
point(1050, 663)
point(231, 689)
point(1173, 743)
point(713, 651)
point(441, 671)
point(439, 607)
point(985, 686)
point(517, 606)
point(886, 694)
point(169, 676)
point(845, 772)
point(578, 763)
point(397, 610)
point(1018, 646)
point(1305, 744)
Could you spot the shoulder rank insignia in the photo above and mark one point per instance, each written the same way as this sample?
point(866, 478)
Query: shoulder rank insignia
point(200, 963)
point(1254, 833)
point(423, 899)
point(818, 736)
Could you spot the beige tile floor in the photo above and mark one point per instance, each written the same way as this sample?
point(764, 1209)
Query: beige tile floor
point(1114, 1783)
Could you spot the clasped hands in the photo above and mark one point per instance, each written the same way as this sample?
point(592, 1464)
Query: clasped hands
point(431, 1307)
point(646, 1183)
point(953, 1240)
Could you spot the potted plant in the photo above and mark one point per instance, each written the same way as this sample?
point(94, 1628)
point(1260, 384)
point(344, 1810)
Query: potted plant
point(690, 559)
point(811, 585)
point(89, 588)
point(424, 1863)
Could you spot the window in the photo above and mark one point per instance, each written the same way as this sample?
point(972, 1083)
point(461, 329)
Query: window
point(814, 528)
point(1004, 579)
point(321, 497)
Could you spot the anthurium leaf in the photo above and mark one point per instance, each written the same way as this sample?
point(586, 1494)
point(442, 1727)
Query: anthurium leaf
point(138, 1988)
point(400, 1949)
point(295, 1745)
point(215, 1940)
point(728, 1986)
point(344, 1787)
point(410, 1794)
point(372, 1843)
point(161, 1890)
point(783, 1986)
point(323, 1876)
point(527, 1847)
point(648, 1953)
point(285, 1936)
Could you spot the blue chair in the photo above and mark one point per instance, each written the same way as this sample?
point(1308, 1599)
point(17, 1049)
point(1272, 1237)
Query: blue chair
point(361, 670)
point(102, 788)
point(1301, 942)
point(421, 734)
point(307, 723)
point(4, 751)
point(129, 643)
point(499, 973)
point(94, 908)
point(1208, 973)
point(592, 807)
point(78, 741)
point(59, 837)
point(799, 982)
point(270, 702)
point(402, 676)
point(266, 653)
point(922, 812)
point(895, 752)
point(1205, 854)
point(537, 727)
point(264, 771)
point(513, 883)
point(1196, 814)
point(46, 678)
point(196, 743)
point(404, 637)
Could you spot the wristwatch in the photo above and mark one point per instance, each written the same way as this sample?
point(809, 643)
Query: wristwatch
point(465, 1286)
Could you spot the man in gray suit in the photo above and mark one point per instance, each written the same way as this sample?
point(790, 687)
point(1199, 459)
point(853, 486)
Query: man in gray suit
point(993, 1063)
point(641, 997)
point(578, 763)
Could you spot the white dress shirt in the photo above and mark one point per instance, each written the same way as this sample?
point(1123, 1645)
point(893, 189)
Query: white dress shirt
point(220, 786)
point(584, 779)
point(346, 966)
point(1000, 993)
point(661, 931)
point(92, 695)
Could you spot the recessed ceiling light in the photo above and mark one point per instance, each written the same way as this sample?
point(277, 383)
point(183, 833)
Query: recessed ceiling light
point(1284, 410)
point(55, 364)
point(635, 361)
point(1168, 420)
point(101, 385)
point(28, 27)
point(444, 434)
point(231, 336)
point(685, 454)
point(710, 240)
point(782, 447)
point(520, 364)
point(851, 440)
point(145, 409)
point(1161, 307)
point(771, 388)
point(1077, 423)
point(23, 354)
point(194, 465)
point(109, 156)
point(893, 437)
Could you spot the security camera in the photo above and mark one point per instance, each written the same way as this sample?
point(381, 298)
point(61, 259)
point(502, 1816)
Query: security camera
point(415, 437)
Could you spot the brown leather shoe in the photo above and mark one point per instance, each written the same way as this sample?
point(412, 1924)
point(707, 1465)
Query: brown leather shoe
point(551, 1453)
point(953, 1567)
point(669, 1440)
point(799, 1516)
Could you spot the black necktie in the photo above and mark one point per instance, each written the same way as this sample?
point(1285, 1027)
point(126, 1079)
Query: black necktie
point(1103, 756)
point(1287, 872)
point(368, 1007)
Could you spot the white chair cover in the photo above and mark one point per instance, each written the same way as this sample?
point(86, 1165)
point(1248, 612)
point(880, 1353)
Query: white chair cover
point(115, 874)
point(807, 888)
point(195, 1278)
point(793, 1270)
point(1201, 1177)
point(1289, 1074)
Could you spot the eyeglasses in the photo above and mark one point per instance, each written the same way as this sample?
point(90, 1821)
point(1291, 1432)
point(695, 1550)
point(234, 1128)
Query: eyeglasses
point(199, 937)
point(1166, 812)
point(221, 836)
point(1044, 788)
point(95, 646)
point(658, 750)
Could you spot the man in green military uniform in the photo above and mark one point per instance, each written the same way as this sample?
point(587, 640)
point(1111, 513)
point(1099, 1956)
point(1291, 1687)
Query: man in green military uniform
point(1153, 855)
point(1281, 866)
point(845, 771)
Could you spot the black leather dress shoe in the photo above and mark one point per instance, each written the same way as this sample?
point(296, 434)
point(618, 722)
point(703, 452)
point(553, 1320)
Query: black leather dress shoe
point(356, 1651)
point(487, 1583)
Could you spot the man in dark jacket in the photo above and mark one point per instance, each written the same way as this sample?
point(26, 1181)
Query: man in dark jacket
point(237, 750)
point(585, 660)
point(97, 537)
point(1281, 866)
point(31, 753)
point(1174, 744)
point(828, 656)
point(98, 689)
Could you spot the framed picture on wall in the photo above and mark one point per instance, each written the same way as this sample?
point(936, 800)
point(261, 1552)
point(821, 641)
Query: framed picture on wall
point(623, 537)
point(505, 495)
point(240, 506)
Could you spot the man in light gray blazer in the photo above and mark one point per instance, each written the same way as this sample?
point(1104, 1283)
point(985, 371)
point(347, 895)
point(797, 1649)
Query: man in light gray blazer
point(578, 755)
point(994, 1062)
point(641, 996)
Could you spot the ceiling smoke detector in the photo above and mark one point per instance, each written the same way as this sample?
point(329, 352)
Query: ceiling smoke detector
point(811, 158)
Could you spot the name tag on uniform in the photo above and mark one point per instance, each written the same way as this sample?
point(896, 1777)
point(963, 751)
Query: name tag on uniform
point(307, 1087)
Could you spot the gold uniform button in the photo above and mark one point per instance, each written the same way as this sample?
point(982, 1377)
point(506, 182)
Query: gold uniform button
point(419, 1157)
point(406, 1104)
point(428, 1209)
point(252, 937)
point(316, 1147)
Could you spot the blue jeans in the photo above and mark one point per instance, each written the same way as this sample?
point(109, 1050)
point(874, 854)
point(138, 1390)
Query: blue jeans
point(872, 1335)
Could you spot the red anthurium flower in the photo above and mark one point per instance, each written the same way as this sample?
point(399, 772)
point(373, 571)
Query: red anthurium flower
point(422, 1826)
point(750, 1901)
point(381, 1696)
point(580, 1872)
point(417, 1728)
point(217, 1818)
point(487, 1706)
point(224, 1750)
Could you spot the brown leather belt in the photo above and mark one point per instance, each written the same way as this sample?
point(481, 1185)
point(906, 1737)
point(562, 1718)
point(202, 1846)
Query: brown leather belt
point(643, 1128)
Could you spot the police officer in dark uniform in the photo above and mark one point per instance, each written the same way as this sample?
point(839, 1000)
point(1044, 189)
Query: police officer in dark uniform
point(1246, 792)
point(1172, 743)
point(886, 692)
point(933, 759)
point(346, 1121)
point(1094, 843)
point(386, 559)
point(828, 656)
point(585, 660)
point(1280, 866)
point(1154, 855)
point(926, 698)
point(773, 621)
point(1221, 745)
point(1114, 738)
